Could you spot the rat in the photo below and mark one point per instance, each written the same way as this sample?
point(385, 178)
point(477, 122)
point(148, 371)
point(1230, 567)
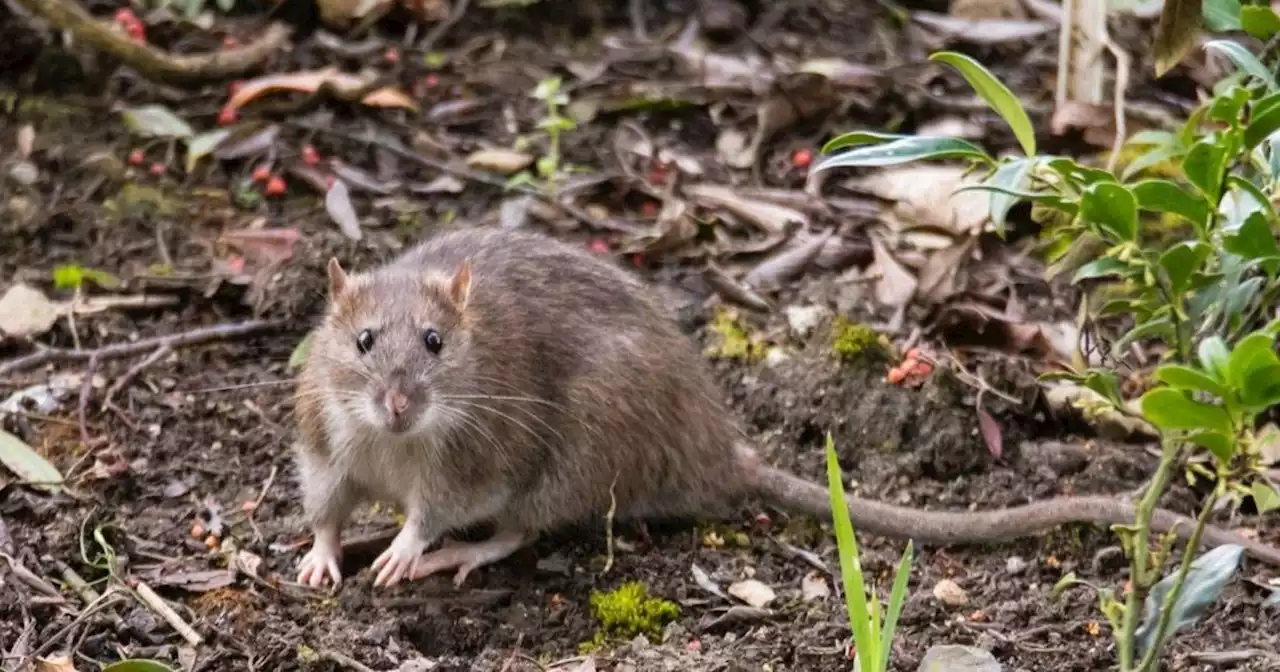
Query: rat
point(506, 377)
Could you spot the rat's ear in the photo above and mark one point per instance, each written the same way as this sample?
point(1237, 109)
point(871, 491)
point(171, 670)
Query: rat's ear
point(460, 287)
point(337, 278)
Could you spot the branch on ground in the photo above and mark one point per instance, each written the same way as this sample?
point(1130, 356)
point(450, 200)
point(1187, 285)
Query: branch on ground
point(154, 63)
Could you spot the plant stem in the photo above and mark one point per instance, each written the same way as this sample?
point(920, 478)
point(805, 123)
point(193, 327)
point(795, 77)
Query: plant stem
point(1150, 660)
point(1138, 570)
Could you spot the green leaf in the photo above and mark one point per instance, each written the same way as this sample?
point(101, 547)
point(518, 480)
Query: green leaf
point(1221, 16)
point(28, 465)
point(855, 590)
point(1204, 166)
point(1104, 383)
point(904, 150)
point(1226, 107)
point(1152, 136)
point(1252, 352)
point(1101, 268)
point(1158, 325)
point(1151, 158)
point(897, 598)
point(71, 276)
point(1243, 60)
point(1067, 581)
point(156, 121)
point(138, 665)
point(1265, 497)
point(1170, 409)
point(1043, 198)
point(1167, 196)
point(997, 95)
point(1176, 33)
point(299, 355)
point(1112, 207)
point(204, 144)
point(1206, 578)
point(1259, 21)
point(1260, 388)
point(1214, 357)
point(1262, 124)
point(1253, 240)
point(1250, 198)
point(1187, 378)
point(1221, 446)
point(860, 138)
point(1082, 175)
point(1013, 176)
point(1181, 261)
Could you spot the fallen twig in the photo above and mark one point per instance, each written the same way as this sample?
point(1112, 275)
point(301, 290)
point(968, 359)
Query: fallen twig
point(153, 63)
point(157, 604)
point(344, 660)
point(459, 10)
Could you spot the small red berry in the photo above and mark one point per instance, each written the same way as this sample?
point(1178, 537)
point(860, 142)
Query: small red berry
point(802, 158)
point(599, 246)
point(261, 174)
point(137, 32)
point(310, 156)
point(136, 157)
point(275, 186)
point(431, 80)
point(229, 42)
point(125, 16)
point(234, 87)
point(157, 169)
point(227, 116)
point(392, 55)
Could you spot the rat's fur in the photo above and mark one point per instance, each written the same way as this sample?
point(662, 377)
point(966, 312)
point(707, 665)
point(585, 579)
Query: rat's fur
point(562, 390)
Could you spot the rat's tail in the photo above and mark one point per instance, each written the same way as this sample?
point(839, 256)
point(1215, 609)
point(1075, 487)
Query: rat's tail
point(951, 527)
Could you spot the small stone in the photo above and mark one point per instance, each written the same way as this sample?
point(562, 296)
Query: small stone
point(24, 173)
point(775, 356)
point(952, 658)
point(950, 593)
point(753, 592)
point(1015, 565)
point(803, 319)
point(814, 587)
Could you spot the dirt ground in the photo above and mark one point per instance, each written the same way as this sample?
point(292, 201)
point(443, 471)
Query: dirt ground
point(206, 429)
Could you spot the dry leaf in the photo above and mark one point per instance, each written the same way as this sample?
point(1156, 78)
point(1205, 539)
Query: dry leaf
point(25, 312)
point(983, 31)
point(938, 278)
point(814, 587)
point(788, 263)
point(26, 140)
point(771, 218)
point(341, 13)
point(268, 245)
point(895, 285)
point(991, 433)
point(500, 161)
point(344, 85)
point(924, 196)
point(337, 202)
point(753, 592)
point(58, 664)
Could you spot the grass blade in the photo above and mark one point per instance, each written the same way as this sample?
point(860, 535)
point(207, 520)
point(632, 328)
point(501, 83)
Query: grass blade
point(855, 591)
point(897, 597)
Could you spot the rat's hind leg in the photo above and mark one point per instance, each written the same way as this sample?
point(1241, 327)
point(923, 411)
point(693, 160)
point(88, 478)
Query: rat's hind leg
point(466, 556)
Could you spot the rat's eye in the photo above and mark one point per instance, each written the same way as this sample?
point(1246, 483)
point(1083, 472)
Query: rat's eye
point(364, 341)
point(432, 339)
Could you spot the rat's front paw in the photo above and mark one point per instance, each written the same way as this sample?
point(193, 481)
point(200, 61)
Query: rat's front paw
point(320, 561)
point(401, 558)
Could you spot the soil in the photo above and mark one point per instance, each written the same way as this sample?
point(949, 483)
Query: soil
point(208, 428)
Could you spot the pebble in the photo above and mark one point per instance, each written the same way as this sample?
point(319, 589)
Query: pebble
point(803, 319)
point(814, 587)
point(1015, 565)
point(24, 173)
point(950, 593)
point(753, 592)
point(952, 658)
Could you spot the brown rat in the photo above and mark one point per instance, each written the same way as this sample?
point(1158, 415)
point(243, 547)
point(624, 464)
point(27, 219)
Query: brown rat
point(506, 377)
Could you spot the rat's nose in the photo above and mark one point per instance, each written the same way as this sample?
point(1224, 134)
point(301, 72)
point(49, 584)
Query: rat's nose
point(396, 402)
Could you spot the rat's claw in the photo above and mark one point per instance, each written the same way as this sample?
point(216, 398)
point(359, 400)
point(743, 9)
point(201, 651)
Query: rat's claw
point(400, 560)
point(316, 565)
point(469, 556)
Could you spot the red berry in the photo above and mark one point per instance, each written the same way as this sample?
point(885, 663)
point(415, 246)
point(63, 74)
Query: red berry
point(261, 174)
point(392, 55)
point(227, 116)
point(137, 32)
point(157, 169)
point(229, 42)
point(310, 156)
point(802, 158)
point(234, 87)
point(599, 246)
point(431, 80)
point(136, 157)
point(275, 186)
point(125, 16)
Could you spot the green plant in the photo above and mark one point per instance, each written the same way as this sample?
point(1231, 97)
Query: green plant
point(548, 166)
point(630, 611)
point(1200, 297)
point(872, 627)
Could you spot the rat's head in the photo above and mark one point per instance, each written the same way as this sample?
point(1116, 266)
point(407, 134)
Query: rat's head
point(395, 342)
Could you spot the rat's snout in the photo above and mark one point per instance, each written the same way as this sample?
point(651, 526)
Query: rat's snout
point(396, 403)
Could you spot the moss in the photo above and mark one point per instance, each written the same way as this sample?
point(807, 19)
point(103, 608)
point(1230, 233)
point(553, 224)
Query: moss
point(735, 342)
point(853, 340)
point(139, 199)
point(629, 611)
